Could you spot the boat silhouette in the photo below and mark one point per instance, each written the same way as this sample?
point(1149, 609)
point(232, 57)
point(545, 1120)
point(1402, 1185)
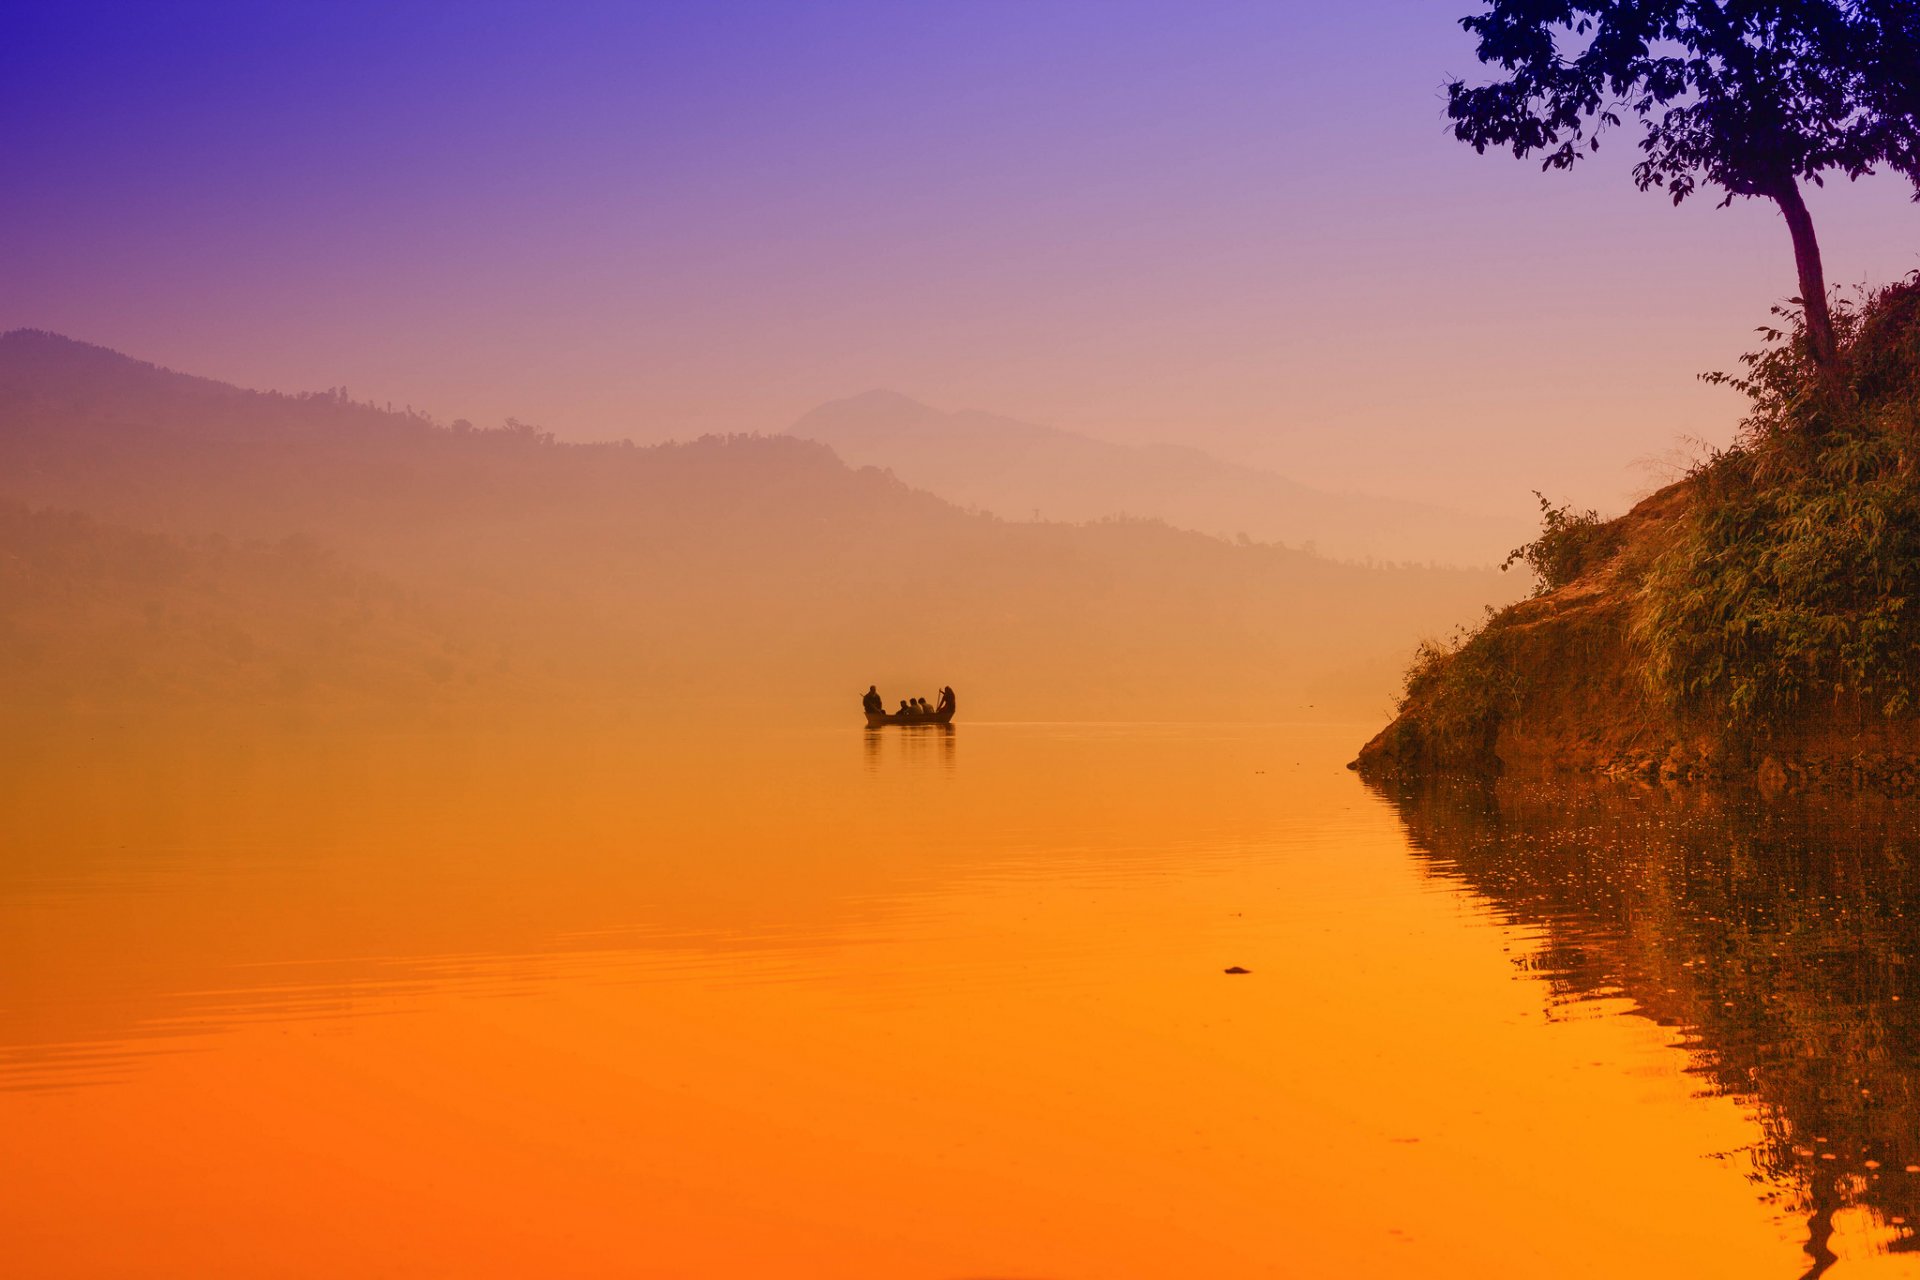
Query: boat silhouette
point(942, 714)
point(875, 719)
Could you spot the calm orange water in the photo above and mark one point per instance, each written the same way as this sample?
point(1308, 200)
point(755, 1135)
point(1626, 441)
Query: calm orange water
point(816, 1003)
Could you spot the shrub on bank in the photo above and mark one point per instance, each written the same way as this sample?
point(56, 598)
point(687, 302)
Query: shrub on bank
point(1570, 543)
point(1794, 576)
point(1778, 581)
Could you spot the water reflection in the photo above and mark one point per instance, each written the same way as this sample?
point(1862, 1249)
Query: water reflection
point(1778, 940)
point(913, 745)
point(760, 1001)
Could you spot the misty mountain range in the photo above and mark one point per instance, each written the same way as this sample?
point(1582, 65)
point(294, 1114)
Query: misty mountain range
point(1015, 469)
point(172, 539)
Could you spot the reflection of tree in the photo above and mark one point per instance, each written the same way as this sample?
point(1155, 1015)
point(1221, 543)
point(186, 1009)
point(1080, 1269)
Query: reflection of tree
point(1779, 939)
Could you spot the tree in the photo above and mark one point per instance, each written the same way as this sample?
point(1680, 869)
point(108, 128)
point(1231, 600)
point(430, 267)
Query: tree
point(1751, 97)
point(1887, 48)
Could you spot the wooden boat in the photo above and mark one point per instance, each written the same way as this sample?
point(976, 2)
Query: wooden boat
point(877, 719)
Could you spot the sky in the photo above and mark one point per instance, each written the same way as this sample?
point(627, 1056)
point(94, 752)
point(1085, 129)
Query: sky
point(1237, 226)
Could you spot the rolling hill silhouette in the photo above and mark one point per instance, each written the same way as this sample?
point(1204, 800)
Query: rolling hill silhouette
point(1014, 468)
point(739, 575)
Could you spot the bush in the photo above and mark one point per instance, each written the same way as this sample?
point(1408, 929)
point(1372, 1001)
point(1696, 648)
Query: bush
point(1465, 684)
point(1790, 576)
point(1570, 543)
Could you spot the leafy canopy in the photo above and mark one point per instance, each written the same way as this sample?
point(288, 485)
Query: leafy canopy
point(1744, 95)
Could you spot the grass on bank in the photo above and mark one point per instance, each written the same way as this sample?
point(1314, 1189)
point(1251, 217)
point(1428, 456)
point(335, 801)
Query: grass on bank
point(1790, 582)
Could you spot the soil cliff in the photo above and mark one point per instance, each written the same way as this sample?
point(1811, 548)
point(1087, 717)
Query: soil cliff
point(1748, 623)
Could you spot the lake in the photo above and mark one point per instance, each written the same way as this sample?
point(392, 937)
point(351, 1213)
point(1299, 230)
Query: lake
point(564, 1000)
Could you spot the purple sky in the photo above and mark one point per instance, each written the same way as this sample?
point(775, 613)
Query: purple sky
point(1241, 226)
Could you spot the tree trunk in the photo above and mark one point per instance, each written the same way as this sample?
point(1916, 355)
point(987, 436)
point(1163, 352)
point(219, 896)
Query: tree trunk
point(1813, 277)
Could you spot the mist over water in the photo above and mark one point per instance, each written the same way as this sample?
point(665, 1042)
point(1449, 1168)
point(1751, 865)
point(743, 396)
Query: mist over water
point(437, 836)
point(473, 839)
point(804, 999)
point(167, 541)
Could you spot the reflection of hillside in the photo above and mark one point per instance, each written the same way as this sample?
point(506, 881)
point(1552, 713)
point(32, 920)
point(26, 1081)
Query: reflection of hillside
point(718, 573)
point(199, 874)
point(1780, 940)
point(177, 880)
point(98, 616)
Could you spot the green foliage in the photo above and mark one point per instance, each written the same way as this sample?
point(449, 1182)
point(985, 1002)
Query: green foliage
point(1790, 578)
point(1463, 684)
point(1570, 543)
point(1750, 99)
point(1746, 98)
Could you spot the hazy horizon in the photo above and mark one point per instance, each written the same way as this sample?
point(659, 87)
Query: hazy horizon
point(658, 223)
point(166, 539)
point(490, 495)
point(1041, 473)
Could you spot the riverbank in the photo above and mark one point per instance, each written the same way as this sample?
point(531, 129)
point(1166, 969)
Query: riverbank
point(1747, 624)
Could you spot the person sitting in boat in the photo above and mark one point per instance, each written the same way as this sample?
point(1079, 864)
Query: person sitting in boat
point(946, 698)
point(872, 702)
point(906, 708)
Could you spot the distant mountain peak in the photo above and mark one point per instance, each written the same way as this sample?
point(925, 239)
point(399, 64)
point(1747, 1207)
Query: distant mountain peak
point(880, 399)
point(1017, 469)
point(861, 422)
point(46, 343)
point(46, 361)
point(878, 410)
point(30, 335)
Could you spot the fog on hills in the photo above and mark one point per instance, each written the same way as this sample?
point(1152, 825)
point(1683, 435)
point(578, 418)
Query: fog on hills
point(172, 539)
point(1017, 469)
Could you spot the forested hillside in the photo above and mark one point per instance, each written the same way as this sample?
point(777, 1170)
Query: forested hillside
point(740, 574)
